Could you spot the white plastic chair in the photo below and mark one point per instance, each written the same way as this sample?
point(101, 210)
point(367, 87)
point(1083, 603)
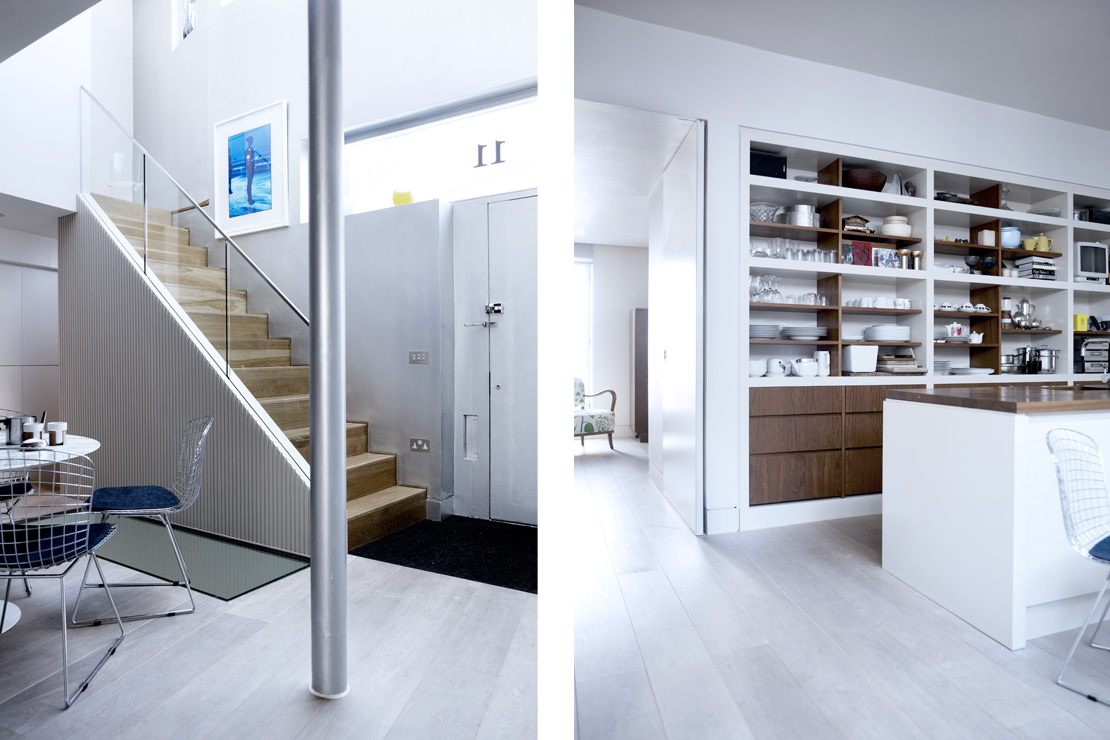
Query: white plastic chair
point(1086, 506)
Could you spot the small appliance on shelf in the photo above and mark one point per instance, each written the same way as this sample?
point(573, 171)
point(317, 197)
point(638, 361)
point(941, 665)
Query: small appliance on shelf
point(1091, 262)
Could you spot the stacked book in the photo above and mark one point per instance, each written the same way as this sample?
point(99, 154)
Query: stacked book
point(1036, 268)
point(898, 364)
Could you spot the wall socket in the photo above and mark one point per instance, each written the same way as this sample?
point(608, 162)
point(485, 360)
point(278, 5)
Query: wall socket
point(419, 445)
point(419, 357)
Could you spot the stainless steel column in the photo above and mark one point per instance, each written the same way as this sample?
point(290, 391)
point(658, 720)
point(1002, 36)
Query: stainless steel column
point(329, 382)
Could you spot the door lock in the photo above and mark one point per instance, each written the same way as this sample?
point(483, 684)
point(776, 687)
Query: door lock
point(494, 308)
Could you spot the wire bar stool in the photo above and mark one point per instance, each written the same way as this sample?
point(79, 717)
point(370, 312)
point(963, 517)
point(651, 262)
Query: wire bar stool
point(52, 527)
point(158, 502)
point(1081, 476)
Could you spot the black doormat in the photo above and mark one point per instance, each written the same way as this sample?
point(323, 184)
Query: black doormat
point(496, 553)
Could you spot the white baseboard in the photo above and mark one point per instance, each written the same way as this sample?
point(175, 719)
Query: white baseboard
point(655, 475)
point(818, 510)
point(440, 509)
point(623, 430)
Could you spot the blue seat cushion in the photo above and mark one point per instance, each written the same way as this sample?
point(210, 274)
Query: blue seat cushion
point(131, 498)
point(1101, 550)
point(14, 489)
point(25, 548)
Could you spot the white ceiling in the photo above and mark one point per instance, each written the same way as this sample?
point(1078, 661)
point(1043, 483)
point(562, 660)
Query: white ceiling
point(23, 22)
point(619, 156)
point(1044, 57)
point(29, 216)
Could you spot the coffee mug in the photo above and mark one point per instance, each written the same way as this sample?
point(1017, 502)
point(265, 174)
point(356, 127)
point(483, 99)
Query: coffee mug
point(823, 359)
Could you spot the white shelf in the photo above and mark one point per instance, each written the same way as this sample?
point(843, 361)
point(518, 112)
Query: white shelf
point(832, 268)
point(959, 214)
point(813, 192)
point(956, 278)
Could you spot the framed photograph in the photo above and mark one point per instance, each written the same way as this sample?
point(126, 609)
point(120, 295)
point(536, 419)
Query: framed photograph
point(250, 160)
point(885, 257)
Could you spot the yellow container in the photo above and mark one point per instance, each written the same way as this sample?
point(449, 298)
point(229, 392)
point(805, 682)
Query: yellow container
point(1080, 322)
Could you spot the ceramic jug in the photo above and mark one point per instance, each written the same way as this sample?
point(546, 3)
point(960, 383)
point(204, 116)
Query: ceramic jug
point(1044, 244)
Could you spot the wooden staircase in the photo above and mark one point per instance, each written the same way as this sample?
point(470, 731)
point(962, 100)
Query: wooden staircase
point(376, 505)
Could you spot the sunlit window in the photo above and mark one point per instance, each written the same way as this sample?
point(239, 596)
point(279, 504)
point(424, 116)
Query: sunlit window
point(467, 156)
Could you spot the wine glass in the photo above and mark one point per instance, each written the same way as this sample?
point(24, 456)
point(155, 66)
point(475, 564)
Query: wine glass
point(987, 263)
point(971, 261)
point(1003, 206)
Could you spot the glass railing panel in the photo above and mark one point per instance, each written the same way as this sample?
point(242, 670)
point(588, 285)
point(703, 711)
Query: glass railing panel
point(183, 251)
point(268, 332)
point(112, 171)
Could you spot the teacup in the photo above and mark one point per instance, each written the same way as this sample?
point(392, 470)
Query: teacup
point(903, 303)
point(946, 306)
point(884, 302)
point(967, 307)
point(1030, 244)
point(982, 308)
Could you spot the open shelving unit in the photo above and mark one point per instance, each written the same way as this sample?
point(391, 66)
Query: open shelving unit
point(945, 232)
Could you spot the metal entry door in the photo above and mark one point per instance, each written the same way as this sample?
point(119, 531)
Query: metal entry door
point(496, 359)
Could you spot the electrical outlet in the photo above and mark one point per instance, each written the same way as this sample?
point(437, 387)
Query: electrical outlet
point(420, 445)
point(420, 357)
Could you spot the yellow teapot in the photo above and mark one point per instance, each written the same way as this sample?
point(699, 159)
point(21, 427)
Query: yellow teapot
point(1044, 244)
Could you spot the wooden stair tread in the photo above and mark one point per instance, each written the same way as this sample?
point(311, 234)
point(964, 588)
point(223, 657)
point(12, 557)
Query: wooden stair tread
point(296, 398)
point(305, 432)
point(372, 502)
point(368, 458)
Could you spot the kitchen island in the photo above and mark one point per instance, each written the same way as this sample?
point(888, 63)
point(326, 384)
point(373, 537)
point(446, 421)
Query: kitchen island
point(971, 507)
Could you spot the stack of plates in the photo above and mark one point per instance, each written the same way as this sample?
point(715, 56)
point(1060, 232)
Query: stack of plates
point(804, 333)
point(941, 367)
point(956, 340)
point(763, 331)
point(887, 333)
point(972, 370)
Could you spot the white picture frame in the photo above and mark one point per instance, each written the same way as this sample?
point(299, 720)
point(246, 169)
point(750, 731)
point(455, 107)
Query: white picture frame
point(251, 167)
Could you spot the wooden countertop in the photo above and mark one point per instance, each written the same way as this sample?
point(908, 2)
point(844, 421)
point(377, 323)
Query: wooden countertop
point(1010, 399)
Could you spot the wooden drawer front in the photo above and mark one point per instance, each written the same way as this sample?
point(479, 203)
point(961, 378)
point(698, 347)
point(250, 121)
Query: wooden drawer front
point(794, 477)
point(794, 433)
point(788, 401)
point(863, 471)
point(863, 430)
point(869, 398)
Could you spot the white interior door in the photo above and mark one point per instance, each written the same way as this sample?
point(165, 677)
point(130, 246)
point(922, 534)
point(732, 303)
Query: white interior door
point(496, 392)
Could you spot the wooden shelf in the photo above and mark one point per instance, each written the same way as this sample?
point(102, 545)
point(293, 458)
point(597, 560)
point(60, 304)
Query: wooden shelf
point(1035, 331)
point(881, 344)
point(966, 314)
point(823, 342)
point(772, 230)
point(861, 237)
point(1009, 252)
point(881, 311)
point(968, 345)
point(801, 307)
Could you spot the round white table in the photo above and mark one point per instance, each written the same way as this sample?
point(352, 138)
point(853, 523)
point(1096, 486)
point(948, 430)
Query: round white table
point(75, 445)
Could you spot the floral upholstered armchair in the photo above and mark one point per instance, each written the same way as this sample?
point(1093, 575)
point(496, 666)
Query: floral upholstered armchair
point(592, 421)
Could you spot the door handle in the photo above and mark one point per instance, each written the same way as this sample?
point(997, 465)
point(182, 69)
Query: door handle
point(483, 324)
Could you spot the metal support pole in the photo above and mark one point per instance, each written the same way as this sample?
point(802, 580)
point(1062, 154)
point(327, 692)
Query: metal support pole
point(329, 357)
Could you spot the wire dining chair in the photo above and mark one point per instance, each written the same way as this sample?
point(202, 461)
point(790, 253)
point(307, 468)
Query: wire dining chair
point(13, 485)
point(50, 527)
point(157, 502)
point(1081, 476)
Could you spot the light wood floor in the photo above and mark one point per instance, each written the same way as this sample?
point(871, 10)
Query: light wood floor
point(794, 632)
point(429, 657)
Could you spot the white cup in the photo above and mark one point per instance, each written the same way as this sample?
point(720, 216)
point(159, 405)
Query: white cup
point(884, 302)
point(823, 360)
point(867, 302)
point(757, 368)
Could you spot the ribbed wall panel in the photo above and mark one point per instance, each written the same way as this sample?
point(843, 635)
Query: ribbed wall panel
point(132, 376)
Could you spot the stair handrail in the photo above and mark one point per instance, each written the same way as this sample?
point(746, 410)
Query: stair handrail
point(227, 239)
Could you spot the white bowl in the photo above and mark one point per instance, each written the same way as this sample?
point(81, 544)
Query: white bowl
point(896, 220)
point(756, 368)
point(806, 369)
point(896, 229)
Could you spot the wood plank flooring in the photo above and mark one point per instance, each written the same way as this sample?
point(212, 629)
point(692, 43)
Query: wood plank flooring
point(429, 656)
point(794, 632)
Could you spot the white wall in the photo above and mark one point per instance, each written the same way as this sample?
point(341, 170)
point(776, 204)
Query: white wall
point(40, 129)
point(620, 282)
point(644, 66)
point(396, 57)
point(29, 332)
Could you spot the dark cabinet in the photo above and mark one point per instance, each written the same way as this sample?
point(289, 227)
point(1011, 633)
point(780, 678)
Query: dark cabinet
point(639, 380)
point(815, 442)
